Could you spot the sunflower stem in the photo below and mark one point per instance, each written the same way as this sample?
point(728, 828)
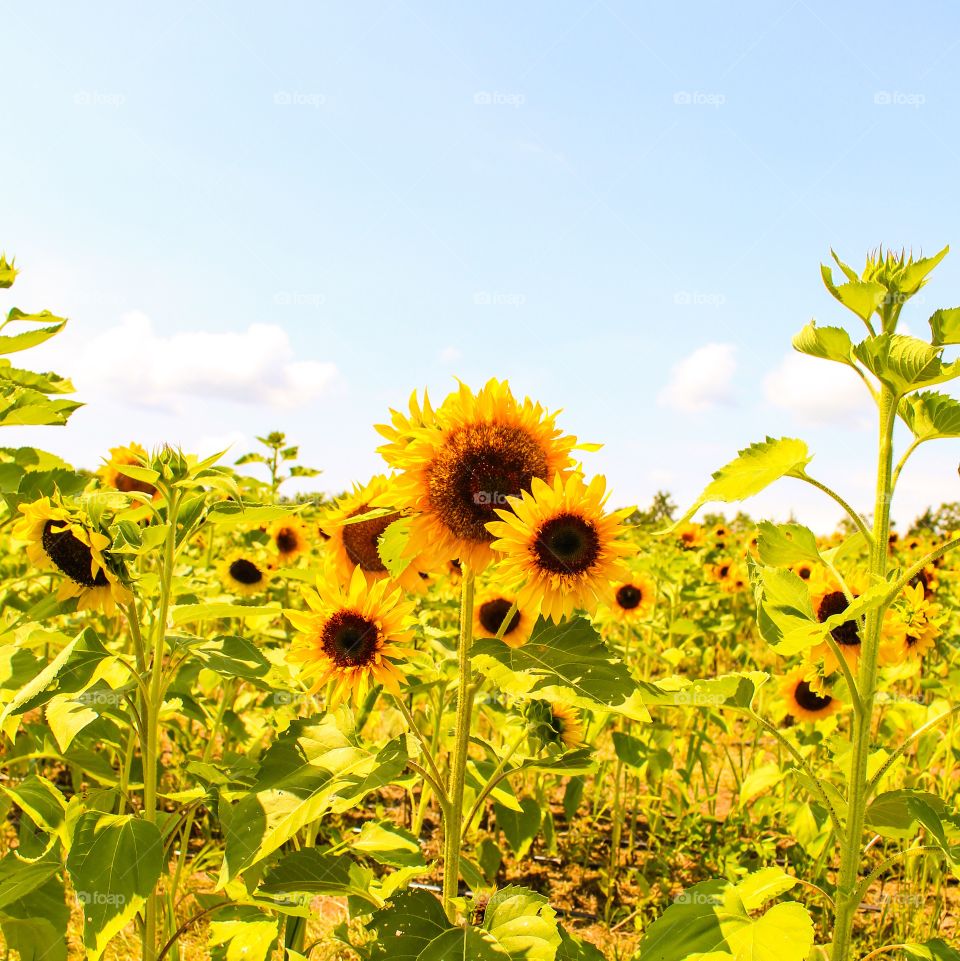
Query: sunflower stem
point(458, 764)
point(849, 895)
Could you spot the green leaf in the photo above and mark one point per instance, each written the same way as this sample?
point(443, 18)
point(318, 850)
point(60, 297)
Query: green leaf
point(392, 544)
point(904, 363)
point(10, 344)
point(894, 814)
point(758, 782)
point(114, 862)
point(67, 718)
point(315, 871)
point(756, 890)
point(8, 273)
point(233, 656)
point(463, 944)
point(829, 343)
point(570, 656)
point(785, 615)
point(407, 926)
point(41, 801)
point(186, 613)
point(945, 326)
point(931, 415)
point(728, 690)
point(935, 950)
point(249, 935)
point(862, 297)
point(388, 843)
point(34, 924)
point(522, 923)
point(712, 917)
point(783, 545)
point(519, 827)
point(755, 468)
point(18, 877)
point(229, 514)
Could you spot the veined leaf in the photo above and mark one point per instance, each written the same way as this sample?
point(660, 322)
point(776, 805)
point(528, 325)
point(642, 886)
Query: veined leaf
point(931, 415)
point(904, 363)
point(945, 326)
point(404, 929)
point(862, 297)
point(783, 545)
point(315, 871)
point(829, 343)
point(523, 923)
point(10, 344)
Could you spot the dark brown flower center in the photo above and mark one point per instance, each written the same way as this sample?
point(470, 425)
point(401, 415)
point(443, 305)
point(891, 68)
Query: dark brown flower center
point(71, 556)
point(349, 639)
point(286, 540)
point(130, 484)
point(809, 700)
point(245, 572)
point(476, 470)
point(723, 570)
point(360, 539)
point(566, 544)
point(804, 573)
point(836, 603)
point(492, 613)
point(629, 596)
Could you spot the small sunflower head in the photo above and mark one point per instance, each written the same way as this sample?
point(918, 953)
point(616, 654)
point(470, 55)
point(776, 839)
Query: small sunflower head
point(804, 699)
point(492, 608)
point(554, 725)
point(289, 537)
point(245, 573)
point(111, 474)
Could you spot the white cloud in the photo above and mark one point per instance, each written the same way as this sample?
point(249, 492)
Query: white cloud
point(818, 392)
point(450, 355)
point(701, 380)
point(143, 367)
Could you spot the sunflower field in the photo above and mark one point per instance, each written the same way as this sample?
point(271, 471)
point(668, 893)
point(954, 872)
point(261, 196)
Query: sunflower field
point(476, 708)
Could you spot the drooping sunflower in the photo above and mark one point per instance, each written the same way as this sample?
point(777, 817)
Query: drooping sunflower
point(132, 455)
point(456, 471)
point(847, 635)
point(489, 612)
point(633, 598)
point(554, 723)
point(290, 537)
point(911, 628)
point(245, 573)
point(803, 702)
point(67, 541)
point(353, 637)
point(559, 541)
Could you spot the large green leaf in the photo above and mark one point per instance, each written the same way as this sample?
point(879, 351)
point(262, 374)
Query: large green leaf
point(569, 656)
point(829, 343)
point(522, 923)
point(242, 933)
point(931, 415)
point(754, 468)
point(388, 843)
point(904, 363)
point(713, 917)
point(317, 871)
point(464, 944)
point(114, 863)
point(862, 297)
point(19, 877)
point(935, 950)
point(945, 326)
point(728, 690)
point(519, 827)
point(33, 925)
point(406, 926)
point(783, 545)
point(10, 344)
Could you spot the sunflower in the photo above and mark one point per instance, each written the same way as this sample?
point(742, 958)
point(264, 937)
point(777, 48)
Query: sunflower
point(461, 466)
point(927, 579)
point(730, 576)
point(245, 573)
point(559, 541)
point(289, 536)
point(352, 637)
point(691, 536)
point(911, 628)
point(133, 455)
point(66, 541)
point(633, 598)
point(489, 612)
point(847, 636)
point(554, 723)
point(803, 702)
point(720, 535)
point(356, 543)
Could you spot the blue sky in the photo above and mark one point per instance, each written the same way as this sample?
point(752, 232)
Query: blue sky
point(291, 217)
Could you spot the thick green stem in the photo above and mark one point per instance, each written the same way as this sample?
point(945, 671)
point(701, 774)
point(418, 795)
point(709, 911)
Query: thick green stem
point(848, 897)
point(458, 763)
point(151, 713)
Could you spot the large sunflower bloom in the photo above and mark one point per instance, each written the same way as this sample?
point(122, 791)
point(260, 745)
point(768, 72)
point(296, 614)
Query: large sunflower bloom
point(132, 455)
point(353, 637)
point(478, 451)
point(60, 539)
point(803, 702)
point(562, 544)
point(847, 636)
